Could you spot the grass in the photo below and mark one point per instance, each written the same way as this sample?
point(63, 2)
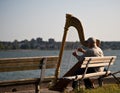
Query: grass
point(109, 88)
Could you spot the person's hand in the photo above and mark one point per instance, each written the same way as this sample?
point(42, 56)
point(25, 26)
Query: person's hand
point(81, 50)
point(74, 53)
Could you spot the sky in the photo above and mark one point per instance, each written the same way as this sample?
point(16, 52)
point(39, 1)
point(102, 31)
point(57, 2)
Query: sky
point(27, 19)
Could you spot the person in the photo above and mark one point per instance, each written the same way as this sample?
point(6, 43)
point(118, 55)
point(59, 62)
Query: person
point(92, 51)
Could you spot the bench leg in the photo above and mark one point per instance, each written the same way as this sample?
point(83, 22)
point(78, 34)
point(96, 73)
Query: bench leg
point(37, 88)
point(118, 81)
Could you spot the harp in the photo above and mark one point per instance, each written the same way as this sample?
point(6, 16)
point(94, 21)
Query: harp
point(70, 21)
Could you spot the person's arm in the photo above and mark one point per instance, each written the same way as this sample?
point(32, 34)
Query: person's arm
point(81, 50)
point(80, 58)
point(75, 53)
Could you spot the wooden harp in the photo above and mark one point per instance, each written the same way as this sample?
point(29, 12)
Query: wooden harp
point(70, 21)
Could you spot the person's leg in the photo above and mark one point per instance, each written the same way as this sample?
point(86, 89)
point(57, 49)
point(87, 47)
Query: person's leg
point(75, 82)
point(88, 83)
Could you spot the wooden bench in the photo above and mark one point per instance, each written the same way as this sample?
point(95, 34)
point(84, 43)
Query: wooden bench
point(88, 62)
point(24, 64)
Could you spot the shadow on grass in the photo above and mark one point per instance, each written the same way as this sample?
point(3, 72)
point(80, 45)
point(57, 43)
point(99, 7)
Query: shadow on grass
point(109, 88)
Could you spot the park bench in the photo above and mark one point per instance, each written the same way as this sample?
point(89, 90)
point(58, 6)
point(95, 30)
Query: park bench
point(88, 62)
point(25, 64)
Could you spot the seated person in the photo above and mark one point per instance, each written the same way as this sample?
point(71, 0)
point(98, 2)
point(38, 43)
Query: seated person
point(92, 51)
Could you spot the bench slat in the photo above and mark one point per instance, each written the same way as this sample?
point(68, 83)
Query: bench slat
point(34, 63)
point(22, 64)
point(97, 65)
point(100, 58)
point(30, 63)
point(98, 61)
point(86, 75)
point(26, 59)
point(21, 68)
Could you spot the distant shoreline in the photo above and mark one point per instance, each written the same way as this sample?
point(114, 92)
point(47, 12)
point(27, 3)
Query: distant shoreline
point(52, 45)
point(43, 49)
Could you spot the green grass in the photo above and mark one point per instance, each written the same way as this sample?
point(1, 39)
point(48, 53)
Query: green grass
point(109, 88)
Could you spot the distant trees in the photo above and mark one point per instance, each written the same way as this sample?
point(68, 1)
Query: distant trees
point(37, 43)
point(24, 44)
point(1, 46)
point(15, 44)
point(51, 44)
point(6, 45)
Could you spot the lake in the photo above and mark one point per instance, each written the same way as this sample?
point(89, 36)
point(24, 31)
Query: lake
point(67, 62)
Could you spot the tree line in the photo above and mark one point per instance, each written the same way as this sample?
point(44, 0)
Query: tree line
point(51, 44)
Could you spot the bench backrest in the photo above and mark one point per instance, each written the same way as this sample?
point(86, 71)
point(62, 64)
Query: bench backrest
point(98, 61)
point(94, 62)
point(27, 63)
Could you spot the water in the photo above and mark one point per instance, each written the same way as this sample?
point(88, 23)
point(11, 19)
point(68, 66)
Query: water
point(67, 62)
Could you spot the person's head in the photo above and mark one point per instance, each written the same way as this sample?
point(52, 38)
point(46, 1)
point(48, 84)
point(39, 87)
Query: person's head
point(91, 42)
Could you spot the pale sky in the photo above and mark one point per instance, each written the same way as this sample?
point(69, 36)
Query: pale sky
point(27, 19)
